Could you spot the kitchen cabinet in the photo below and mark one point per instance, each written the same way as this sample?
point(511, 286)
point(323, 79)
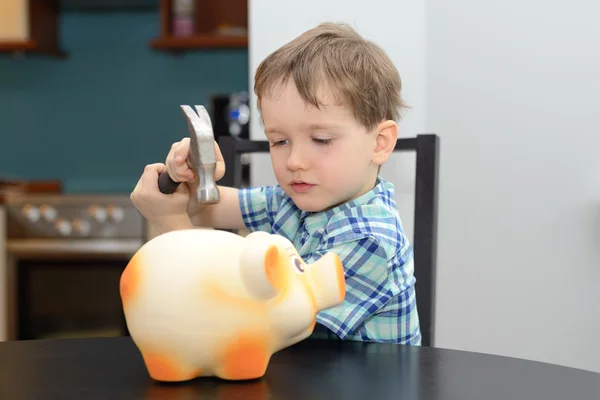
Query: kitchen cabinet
point(211, 24)
point(30, 26)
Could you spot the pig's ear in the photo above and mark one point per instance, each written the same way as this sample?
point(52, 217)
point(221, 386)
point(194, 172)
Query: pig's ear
point(261, 268)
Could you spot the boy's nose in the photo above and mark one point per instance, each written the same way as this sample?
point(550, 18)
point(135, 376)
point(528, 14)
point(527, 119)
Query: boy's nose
point(298, 159)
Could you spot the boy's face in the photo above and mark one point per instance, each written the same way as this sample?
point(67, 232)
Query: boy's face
point(321, 157)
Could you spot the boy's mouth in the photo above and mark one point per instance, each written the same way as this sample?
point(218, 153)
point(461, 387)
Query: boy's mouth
point(300, 186)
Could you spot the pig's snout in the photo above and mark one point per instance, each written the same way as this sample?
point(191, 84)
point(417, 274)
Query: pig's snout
point(329, 284)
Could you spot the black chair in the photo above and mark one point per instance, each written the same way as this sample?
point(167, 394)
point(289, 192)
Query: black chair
point(425, 212)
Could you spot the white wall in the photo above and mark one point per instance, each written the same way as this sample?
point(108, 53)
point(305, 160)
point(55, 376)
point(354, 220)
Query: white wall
point(510, 87)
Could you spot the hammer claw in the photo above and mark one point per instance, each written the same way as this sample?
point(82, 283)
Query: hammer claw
point(202, 157)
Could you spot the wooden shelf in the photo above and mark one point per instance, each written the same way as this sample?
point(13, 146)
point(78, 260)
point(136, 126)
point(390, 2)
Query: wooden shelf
point(30, 46)
point(200, 41)
point(26, 45)
point(216, 24)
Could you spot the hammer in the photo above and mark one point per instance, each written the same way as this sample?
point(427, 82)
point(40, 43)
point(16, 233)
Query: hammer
point(201, 158)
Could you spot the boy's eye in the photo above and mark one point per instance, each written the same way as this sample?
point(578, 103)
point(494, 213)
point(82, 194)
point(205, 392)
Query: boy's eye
point(323, 141)
point(278, 143)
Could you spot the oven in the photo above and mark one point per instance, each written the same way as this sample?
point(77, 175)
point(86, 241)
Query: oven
point(61, 259)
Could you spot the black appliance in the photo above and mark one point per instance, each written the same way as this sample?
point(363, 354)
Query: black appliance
point(231, 117)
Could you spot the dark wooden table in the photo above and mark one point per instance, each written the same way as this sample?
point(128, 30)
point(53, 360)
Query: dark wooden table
point(112, 368)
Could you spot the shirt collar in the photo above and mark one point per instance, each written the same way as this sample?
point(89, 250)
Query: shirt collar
point(316, 220)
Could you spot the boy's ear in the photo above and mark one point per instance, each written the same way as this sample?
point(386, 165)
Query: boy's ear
point(385, 141)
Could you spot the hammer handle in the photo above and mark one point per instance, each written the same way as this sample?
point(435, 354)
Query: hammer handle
point(167, 185)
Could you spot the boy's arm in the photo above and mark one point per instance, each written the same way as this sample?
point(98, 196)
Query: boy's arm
point(226, 214)
point(365, 265)
point(370, 284)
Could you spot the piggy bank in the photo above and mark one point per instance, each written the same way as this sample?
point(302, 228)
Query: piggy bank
point(204, 302)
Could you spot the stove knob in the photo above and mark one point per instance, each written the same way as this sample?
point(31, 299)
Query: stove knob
point(48, 212)
point(63, 226)
point(98, 213)
point(116, 213)
point(31, 212)
point(82, 226)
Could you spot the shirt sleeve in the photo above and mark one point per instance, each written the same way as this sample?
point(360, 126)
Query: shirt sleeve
point(366, 272)
point(259, 207)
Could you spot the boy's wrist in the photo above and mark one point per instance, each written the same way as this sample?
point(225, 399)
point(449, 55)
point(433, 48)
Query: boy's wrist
point(173, 223)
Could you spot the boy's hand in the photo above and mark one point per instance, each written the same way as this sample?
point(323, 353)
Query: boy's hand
point(164, 212)
point(177, 165)
point(168, 212)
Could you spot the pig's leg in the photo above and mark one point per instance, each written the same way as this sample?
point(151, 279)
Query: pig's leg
point(166, 368)
point(245, 357)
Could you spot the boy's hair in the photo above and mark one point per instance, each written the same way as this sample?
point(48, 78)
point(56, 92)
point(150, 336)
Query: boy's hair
point(332, 56)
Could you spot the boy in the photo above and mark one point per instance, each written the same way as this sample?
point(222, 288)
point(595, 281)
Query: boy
point(328, 102)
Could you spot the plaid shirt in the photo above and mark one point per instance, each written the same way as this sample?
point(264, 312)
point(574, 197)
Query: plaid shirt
point(367, 234)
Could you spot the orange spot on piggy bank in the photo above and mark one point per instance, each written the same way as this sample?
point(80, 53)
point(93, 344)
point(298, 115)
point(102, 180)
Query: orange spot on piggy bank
point(205, 302)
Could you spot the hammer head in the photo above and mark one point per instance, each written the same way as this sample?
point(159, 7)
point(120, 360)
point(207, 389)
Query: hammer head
point(202, 157)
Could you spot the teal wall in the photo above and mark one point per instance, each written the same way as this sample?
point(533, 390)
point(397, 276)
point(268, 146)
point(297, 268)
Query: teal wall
point(95, 119)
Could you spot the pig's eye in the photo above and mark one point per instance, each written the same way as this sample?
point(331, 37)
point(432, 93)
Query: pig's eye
point(298, 264)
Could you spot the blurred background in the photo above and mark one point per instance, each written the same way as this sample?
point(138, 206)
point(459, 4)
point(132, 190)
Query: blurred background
point(94, 119)
point(90, 93)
